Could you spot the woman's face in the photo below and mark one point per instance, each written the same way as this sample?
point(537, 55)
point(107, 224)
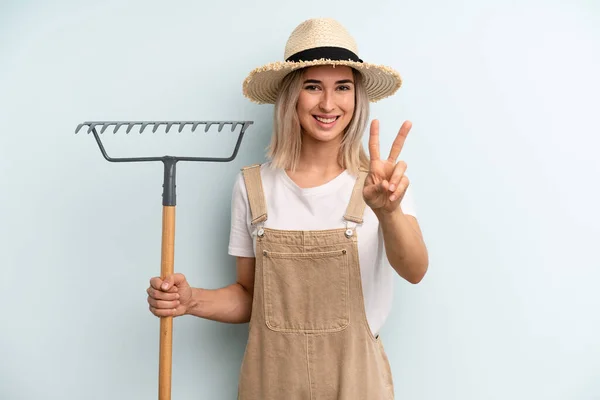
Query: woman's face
point(326, 103)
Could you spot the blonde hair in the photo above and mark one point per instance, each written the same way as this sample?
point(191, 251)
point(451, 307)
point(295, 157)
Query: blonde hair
point(286, 140)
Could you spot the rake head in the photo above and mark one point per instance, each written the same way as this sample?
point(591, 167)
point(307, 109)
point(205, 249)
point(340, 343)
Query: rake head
point(168, 161)
point(169, 124)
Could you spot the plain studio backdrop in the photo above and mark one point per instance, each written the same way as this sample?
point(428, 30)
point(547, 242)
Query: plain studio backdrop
point(503, 159)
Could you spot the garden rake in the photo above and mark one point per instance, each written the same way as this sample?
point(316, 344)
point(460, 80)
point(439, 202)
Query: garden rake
point(168, 214)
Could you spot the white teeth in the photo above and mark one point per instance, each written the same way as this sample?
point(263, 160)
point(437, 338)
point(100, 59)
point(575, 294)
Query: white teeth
point(326, 120)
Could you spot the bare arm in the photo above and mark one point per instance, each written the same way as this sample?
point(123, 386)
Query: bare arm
point(404, 245)
point(384, 189)
point(231, 304)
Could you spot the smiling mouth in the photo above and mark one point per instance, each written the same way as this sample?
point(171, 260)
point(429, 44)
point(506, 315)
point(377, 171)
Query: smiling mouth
point(326, 120)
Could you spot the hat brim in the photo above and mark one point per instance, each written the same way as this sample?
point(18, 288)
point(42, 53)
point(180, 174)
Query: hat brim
point(262, 84)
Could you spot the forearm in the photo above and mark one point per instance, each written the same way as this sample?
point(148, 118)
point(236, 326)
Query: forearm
point(404, 246)
point(231, 304)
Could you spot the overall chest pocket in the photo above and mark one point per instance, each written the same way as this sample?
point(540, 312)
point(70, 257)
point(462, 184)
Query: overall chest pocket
point(306, 292)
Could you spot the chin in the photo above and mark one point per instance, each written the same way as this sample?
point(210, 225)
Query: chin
point(324, 136)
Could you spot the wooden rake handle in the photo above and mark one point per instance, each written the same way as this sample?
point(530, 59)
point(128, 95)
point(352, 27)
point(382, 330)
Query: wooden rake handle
point(166, 323)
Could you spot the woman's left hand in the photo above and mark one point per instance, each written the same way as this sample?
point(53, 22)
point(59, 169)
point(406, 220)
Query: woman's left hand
point(386, 183)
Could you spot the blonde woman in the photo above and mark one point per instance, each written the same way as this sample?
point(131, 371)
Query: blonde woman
point(319, 230)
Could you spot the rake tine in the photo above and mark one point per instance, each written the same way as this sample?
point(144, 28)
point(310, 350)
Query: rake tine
point(91, 127)
point(195, 125)
point(208, 125)
point(156, 125)
point(169, 125)
point(131, 125)
point(104, 126)
point(144, 125)
point(117, 126)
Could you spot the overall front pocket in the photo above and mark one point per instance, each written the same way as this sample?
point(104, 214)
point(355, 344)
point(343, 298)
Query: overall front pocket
point(306, 292)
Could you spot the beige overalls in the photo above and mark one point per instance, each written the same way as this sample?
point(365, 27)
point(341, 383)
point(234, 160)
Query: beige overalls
point(308, 335)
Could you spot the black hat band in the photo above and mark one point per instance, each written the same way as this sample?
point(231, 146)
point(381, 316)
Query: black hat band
point(328, 53)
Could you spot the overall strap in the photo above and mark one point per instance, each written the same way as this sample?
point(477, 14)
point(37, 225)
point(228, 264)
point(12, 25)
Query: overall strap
point(357, 204)
point(256, 196)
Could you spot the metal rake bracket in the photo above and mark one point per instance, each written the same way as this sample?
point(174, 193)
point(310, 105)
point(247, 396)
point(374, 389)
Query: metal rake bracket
point(169, 197)
point(169, 124)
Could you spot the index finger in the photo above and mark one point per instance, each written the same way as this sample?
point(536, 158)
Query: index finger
point(399, 141)
point(374, 141)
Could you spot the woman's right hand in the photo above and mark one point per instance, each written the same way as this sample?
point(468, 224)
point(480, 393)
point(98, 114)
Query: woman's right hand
point(169, 297)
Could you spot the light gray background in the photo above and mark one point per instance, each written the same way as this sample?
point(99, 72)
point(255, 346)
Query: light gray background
point(503, 159)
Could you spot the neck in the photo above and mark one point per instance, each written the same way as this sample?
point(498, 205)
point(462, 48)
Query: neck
point(319, 157)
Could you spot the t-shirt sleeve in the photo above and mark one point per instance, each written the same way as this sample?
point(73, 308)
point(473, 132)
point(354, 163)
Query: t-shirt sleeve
point(240, 236)
point(408, 202)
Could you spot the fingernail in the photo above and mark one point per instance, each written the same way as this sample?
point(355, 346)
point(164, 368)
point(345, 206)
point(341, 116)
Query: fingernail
point(177, 296)
point(392, 198)
point(165, 286)
point(392, 187)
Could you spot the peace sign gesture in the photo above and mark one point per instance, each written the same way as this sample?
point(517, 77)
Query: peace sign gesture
point(386, 183)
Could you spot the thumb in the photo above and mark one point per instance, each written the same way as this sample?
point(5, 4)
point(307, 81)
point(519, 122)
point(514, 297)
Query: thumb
point(173, 281)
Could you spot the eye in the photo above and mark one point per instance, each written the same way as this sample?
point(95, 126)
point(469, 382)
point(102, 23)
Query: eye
point(311, 87)
point(344, 87)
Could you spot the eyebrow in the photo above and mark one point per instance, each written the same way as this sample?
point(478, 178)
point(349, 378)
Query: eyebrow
point(337, 83)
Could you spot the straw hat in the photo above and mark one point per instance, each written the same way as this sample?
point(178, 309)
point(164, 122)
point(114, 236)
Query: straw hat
point(319, 41)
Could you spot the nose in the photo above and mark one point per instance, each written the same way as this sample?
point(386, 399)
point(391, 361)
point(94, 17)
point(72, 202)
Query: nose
point(326, 104)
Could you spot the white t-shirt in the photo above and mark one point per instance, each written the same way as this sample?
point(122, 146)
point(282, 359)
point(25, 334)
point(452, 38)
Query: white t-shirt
point(319, 208)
